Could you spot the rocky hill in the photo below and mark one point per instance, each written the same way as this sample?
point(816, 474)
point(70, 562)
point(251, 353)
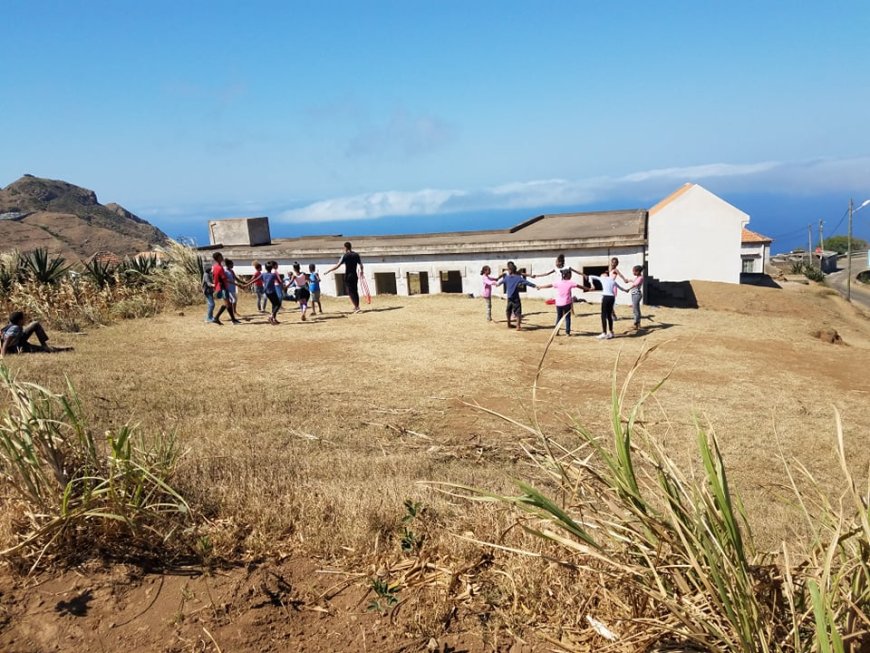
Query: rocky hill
point(68, 220)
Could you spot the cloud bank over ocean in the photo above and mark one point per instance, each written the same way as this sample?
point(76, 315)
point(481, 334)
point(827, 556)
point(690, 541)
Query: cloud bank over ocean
point(783, 177)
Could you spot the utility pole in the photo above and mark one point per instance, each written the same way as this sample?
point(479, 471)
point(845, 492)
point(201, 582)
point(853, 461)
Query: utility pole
point(849, 256)
point(821, 239)
point(810, 243)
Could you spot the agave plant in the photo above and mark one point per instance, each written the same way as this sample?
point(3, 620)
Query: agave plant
point(101, 272)
point(43, 267)
point(142, 264)
point(136, 269)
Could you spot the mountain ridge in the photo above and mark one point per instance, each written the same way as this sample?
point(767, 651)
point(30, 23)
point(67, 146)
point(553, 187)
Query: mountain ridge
point(69, 220)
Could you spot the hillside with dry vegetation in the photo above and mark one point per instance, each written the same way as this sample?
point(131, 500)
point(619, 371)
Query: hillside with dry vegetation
point(68, 220)
point(413, 478)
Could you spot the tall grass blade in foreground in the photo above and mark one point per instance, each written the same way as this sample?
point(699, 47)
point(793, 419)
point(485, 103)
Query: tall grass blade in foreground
point(678, 549)
point(81, 494)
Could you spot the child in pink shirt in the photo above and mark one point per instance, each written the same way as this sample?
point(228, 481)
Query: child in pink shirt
point(564, 297)
point(488, 283)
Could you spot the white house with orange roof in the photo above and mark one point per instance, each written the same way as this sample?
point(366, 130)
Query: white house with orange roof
point(754, 252)
point(695, 235)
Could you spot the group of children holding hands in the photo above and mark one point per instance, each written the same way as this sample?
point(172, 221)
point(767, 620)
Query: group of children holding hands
point(515, 281)
point(221, 282)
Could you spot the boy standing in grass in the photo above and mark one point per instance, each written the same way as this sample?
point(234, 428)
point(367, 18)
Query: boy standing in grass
point(221, 289)
point(513, 282)
point(208, 293)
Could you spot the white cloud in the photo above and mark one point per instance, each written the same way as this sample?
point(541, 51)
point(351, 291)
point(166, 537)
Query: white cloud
point(795, 177)
point(374, 205)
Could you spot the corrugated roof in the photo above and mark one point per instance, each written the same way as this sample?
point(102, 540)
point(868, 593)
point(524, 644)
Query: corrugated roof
point(752, 237)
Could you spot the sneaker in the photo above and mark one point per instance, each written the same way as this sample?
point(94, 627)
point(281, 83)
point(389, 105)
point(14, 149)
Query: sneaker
point(236, 321)
point(217, 321)
point(602, 336)
point(609, 336)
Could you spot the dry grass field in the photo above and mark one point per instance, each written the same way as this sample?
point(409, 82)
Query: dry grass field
point(303, 441)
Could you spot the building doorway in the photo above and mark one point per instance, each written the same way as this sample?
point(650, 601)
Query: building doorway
point(385, 283)
point(593, 272)
point(340, 290)
point(451, 281)
point(418, 283)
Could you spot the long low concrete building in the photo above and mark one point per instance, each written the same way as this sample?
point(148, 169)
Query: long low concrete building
point(690, 235)
point(451, 262)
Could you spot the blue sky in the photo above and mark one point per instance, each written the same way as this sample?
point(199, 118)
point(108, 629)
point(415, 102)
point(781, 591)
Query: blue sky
point(374, 116)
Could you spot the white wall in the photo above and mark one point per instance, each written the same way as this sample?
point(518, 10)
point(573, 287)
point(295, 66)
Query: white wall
point(696, 236)
point(469, 266)
point(757, 253)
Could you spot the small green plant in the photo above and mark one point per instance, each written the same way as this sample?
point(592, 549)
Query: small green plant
point(411, 541)
point(386, 596)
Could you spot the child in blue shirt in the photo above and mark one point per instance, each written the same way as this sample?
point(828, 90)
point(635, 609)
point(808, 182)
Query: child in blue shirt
point(314, 289)
point(513, 282)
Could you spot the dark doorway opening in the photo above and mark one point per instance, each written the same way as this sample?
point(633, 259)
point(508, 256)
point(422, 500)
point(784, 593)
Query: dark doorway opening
point(451, 281)
point(340, 290)
point(418, 283)
point(385, 283)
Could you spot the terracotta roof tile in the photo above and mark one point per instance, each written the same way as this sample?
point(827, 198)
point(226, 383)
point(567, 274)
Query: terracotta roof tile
point(752, 237)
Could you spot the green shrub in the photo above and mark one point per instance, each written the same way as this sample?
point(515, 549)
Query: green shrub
point(814, 274)
point(840, 244)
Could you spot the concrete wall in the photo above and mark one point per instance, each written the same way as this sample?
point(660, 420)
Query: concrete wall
point(757, 254)
point(469, 268)
point(239, 231)
point(696, 236)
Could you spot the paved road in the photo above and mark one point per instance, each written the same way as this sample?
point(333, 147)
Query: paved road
point(860, 291)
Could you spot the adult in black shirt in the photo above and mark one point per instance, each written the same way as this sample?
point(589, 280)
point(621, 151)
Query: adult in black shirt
point(351, 261)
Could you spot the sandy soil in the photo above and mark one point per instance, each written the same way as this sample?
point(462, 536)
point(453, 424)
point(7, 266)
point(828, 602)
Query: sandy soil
point(361, 407)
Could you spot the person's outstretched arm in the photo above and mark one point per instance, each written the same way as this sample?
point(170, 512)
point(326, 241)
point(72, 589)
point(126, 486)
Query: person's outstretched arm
point(336, 266)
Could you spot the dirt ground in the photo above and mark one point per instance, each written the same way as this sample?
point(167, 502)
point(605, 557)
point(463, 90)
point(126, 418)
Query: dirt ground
point(311, 435)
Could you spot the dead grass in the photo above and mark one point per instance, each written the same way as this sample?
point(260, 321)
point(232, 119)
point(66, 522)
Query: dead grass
point(307, 437)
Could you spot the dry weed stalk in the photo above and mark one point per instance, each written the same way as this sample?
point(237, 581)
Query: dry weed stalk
point(676, 550)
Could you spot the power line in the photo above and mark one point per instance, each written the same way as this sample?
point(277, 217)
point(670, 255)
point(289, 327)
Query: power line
point(840, 222)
